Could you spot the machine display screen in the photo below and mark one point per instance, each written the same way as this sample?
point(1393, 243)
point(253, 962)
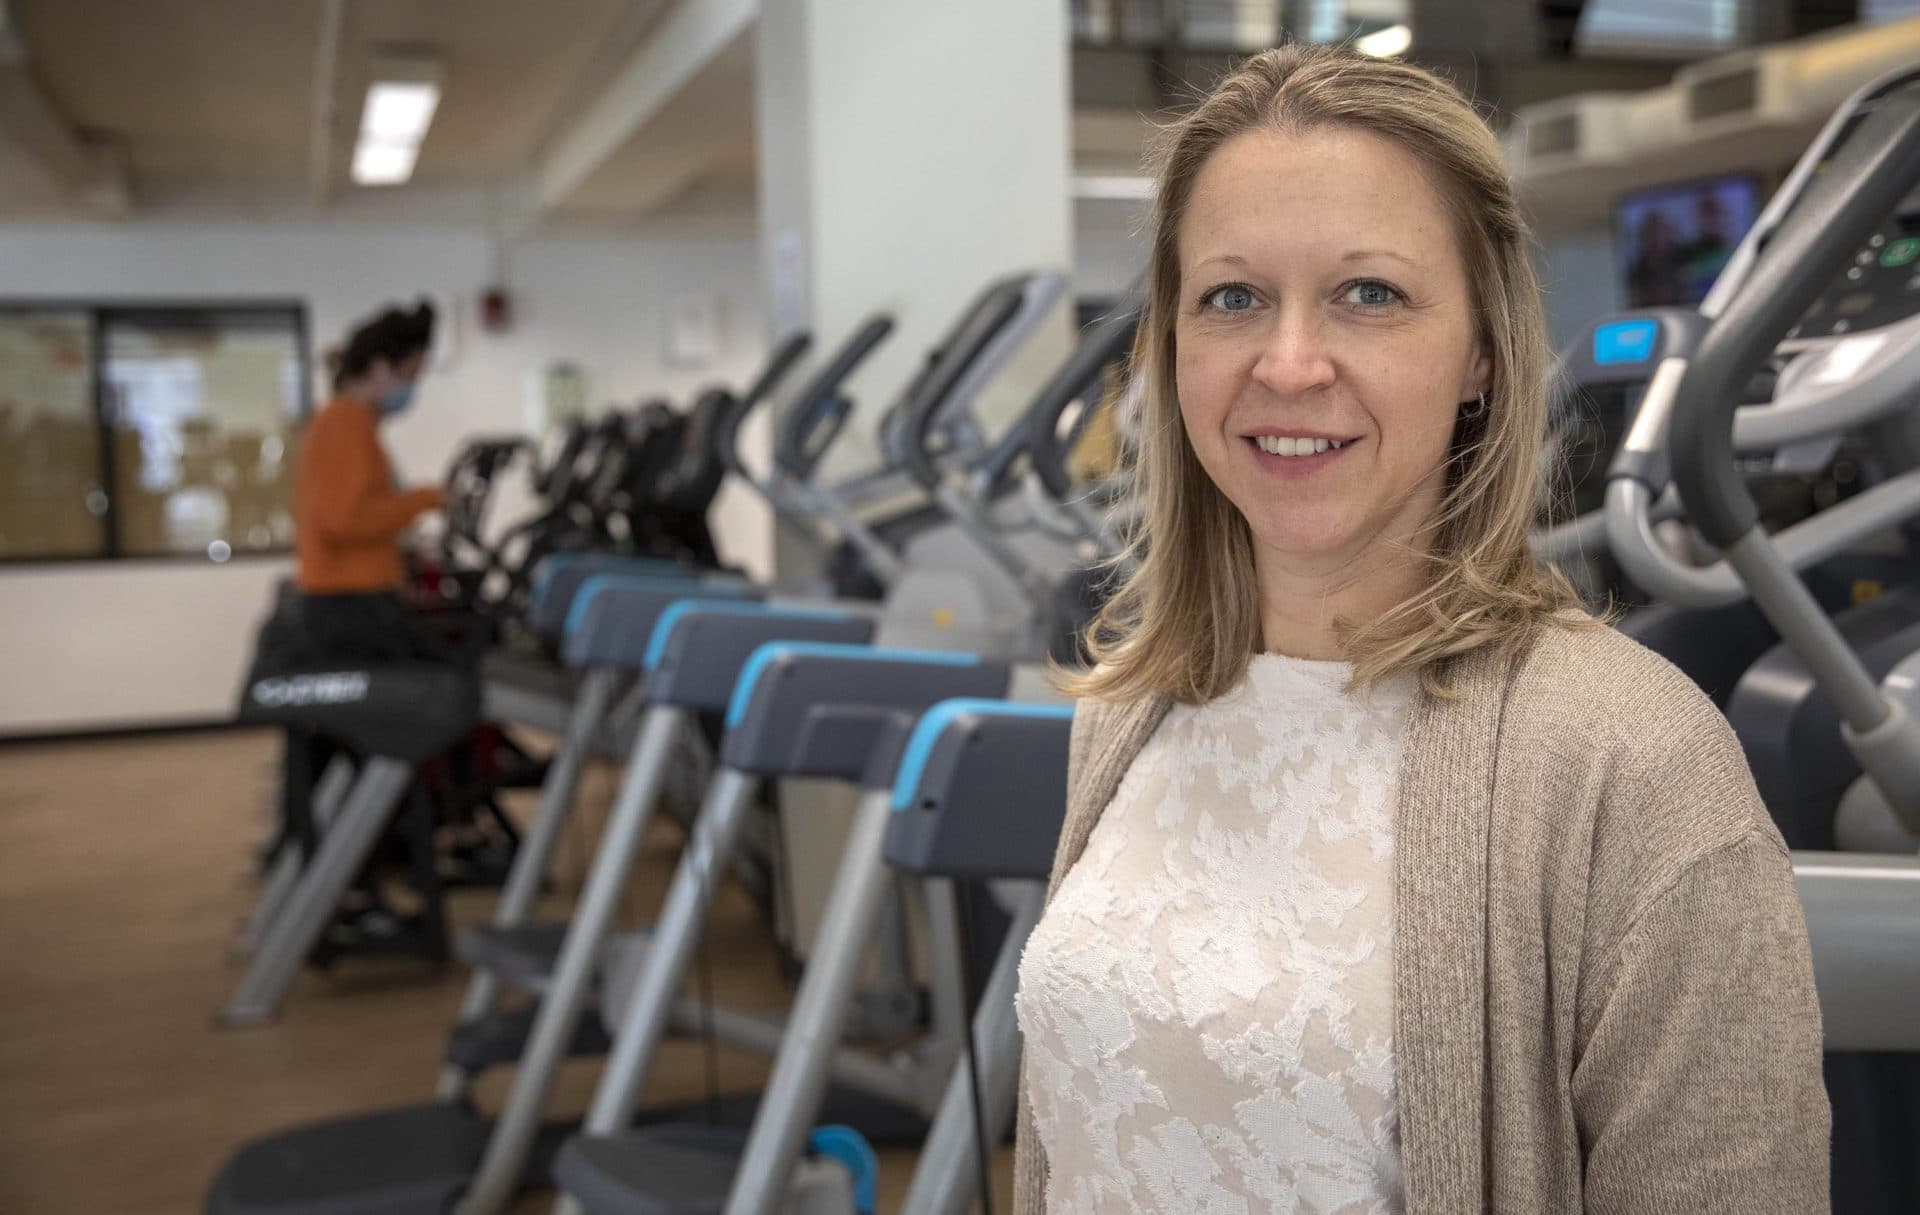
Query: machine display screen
point(1672, 242)
point(1879, 285)
point(1625, 342)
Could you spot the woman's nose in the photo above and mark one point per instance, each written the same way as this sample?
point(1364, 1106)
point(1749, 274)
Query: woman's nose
point(1294, 357)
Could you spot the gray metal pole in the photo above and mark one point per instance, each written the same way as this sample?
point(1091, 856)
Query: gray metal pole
point(947, 963)
point(519, 1121)
point(794, 1092)
point(344, 848)
point(328, 792)
point(536, 848)
point(913, 1079)
point(944, 1180)
point(670, 946)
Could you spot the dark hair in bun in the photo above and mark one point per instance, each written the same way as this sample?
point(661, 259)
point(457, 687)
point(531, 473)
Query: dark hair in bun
point(391, 337)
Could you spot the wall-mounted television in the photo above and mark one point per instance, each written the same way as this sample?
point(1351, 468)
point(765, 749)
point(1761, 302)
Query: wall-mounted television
point(1672, 241)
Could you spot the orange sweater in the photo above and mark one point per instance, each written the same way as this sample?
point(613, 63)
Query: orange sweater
point(347, 513)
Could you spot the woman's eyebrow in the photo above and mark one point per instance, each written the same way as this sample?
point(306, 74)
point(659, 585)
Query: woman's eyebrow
point(1359, 255)
point(1231, 259)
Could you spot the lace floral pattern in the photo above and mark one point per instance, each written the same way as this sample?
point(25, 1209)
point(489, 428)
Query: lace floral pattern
point(1208, 1001)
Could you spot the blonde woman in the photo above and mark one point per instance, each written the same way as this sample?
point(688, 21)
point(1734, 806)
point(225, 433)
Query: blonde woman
point(1390, 881)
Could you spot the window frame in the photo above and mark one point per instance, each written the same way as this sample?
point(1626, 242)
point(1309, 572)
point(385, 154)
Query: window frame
point(100, 315)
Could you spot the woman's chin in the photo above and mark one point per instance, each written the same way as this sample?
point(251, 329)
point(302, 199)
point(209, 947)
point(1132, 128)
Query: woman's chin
point(1314, 543)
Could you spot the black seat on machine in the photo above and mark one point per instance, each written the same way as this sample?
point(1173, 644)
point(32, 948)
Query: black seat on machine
point(410, 711)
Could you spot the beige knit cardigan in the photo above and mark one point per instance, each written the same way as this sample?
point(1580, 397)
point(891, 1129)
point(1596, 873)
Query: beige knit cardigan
point(1603, 995)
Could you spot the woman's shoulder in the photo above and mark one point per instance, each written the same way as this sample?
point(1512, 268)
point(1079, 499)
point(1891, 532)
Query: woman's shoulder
point(1590, 682)
point(1667, 777)
point(1108, 733)
point(339, 419)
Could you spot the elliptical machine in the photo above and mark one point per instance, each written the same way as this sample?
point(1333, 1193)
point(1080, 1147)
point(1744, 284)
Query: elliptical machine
point(1823, 294)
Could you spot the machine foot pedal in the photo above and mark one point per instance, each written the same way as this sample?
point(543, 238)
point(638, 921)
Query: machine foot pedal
point(397, 1162)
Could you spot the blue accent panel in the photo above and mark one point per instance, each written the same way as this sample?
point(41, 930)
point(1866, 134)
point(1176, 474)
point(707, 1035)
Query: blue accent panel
point(1625, 342)
point(577, 610)
point(663, 628)
point(773, 651)
point(934, 722)
point(851, 1149)
point(551, 567)
point(542, 582)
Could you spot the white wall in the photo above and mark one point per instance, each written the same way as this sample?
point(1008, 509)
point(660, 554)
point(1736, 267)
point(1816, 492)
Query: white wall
point(137, 643)
point(907, 182)
point(1108, 258)
point(1578, 281)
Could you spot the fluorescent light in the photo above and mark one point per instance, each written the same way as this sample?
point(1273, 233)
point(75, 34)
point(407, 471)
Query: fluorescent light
point(399, 108)
point(398, 113)
point(383, 164)
point(1117, 189)
point(1386, 43)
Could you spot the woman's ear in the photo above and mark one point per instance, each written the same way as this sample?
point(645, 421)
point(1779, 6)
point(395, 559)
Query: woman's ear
point(1479, 373)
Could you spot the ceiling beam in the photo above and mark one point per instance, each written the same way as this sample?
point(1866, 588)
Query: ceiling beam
point(689, 38)
point(326, 102)
point(89, 173)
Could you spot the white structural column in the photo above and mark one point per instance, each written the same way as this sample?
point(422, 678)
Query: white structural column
point(909, 153)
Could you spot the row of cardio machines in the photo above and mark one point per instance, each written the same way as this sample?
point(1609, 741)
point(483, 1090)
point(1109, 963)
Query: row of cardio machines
point(638, 481)
point(635, 481)
point(904, 699)
point(1757, 523)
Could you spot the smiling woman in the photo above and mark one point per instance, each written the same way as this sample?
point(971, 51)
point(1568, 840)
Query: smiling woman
point(1389, 881)
point(1320, 382)
point(1338, 255)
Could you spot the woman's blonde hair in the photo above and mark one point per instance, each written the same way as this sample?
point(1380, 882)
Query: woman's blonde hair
point(1185, 621)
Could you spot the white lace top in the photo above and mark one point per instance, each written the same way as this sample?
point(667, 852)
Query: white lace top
point(1208, 1000)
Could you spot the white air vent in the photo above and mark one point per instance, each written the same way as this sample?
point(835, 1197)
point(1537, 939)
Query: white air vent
point(1557, 135)
point(1746, 111)
point(1573, 130)
point(1724, 94)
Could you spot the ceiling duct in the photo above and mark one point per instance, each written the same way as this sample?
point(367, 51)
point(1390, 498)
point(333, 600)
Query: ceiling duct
point(1746, 111)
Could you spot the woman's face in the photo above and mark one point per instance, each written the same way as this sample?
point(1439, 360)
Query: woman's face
point(383, 375)
point(1324, 309)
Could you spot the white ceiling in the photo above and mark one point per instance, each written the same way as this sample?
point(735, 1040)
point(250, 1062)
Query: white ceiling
point(212, 99)
point(219, 108)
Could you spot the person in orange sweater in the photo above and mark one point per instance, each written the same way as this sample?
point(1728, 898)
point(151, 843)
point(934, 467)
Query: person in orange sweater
point(348, 514)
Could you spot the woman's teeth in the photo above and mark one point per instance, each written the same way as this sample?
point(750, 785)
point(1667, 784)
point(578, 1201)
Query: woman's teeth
point(1275, 445)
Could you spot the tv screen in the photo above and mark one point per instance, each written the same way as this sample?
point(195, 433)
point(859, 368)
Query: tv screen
point(1673, 241)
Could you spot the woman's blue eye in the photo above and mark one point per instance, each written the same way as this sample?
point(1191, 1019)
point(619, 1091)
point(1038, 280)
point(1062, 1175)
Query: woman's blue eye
point(1371, 294)
point(1232, 298)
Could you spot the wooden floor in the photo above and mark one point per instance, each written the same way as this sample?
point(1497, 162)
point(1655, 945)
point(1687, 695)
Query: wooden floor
point(125, 866)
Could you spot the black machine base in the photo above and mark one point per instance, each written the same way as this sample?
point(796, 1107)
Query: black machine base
point(499, 1038)
point(523, 957)
point(399, 1162)
point(410, 1161)
point(666, 1170)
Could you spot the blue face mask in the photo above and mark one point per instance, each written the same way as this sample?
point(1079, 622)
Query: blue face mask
point(398, 400)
